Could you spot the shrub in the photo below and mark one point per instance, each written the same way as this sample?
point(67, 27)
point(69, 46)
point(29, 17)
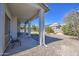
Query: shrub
point(67, 30)
point(49, 30)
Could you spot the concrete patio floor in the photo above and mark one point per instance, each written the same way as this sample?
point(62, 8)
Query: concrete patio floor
point(26, 43)
point(58, 45)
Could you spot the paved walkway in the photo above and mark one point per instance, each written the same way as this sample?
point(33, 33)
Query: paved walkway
point(58, 45)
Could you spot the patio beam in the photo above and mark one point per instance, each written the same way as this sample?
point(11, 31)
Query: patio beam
point(41, 28)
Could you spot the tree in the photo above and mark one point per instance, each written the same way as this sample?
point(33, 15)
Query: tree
point(67, 30)
point(72, 20)
point(34, 27)
point(49, 30)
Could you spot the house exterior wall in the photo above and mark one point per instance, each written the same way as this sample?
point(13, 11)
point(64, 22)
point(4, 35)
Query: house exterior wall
point(2, 28)
point(13, 23)
point(13, 26)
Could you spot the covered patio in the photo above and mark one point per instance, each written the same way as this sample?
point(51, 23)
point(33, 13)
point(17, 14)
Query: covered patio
point(11, 13)
point(29, 43)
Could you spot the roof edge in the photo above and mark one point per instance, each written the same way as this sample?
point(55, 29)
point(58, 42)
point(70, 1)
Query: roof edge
point(44, 6)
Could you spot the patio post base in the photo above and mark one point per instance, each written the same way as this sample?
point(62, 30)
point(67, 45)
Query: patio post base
point(44, 45)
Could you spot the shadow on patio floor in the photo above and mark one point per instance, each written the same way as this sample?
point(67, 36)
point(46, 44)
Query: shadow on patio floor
point(28, 43)
point(48, 39)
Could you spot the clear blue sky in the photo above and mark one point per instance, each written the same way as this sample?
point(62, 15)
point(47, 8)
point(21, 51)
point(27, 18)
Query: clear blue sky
point(56, 13)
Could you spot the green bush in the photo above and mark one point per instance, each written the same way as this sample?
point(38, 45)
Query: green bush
point(67, 30)
point(49, 30)
point(34, 28)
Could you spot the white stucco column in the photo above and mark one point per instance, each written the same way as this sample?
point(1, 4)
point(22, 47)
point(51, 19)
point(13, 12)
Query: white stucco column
point(29, 28)
point(41, 28)
point(13, 27)
point(2, 28)
point(24, 28)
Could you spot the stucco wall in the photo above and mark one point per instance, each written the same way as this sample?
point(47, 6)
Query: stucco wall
point(13, 23)
point(13, 26)
point(2, 28)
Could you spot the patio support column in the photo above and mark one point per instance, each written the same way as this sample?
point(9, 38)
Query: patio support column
point(14, 27)
point(41, 28)
point(29, 28)
point(2, 28)
point(24, 27)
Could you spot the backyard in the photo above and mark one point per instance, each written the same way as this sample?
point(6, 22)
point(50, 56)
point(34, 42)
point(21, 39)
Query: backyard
point(54, 32)
point(57, 45)
point(63, 42)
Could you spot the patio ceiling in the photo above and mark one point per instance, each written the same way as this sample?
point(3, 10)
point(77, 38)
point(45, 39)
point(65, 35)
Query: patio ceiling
point(24, 10)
